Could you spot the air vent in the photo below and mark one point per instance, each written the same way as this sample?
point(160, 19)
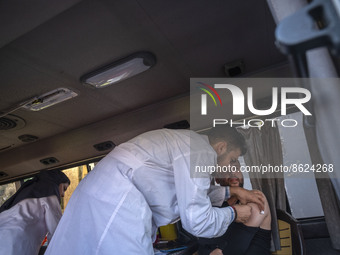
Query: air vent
point(28, 138)
point(6, 123)
point(234, 68)
point(108, 145)
point(49, 161)
point(11, 122)
point(183, 124)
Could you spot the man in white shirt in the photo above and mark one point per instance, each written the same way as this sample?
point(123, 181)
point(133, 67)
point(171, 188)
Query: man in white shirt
point(147, 182)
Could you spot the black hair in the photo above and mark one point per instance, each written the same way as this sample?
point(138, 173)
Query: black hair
point(230, 135)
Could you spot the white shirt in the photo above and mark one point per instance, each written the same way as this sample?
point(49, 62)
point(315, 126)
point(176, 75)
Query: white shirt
point(164, 174)
point(141, 185)
point(24, 226)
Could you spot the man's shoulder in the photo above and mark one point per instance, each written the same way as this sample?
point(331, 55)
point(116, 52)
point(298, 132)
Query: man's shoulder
point(176, 137)
point(170, 132)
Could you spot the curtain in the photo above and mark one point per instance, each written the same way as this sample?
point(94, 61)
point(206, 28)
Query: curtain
point(264, 148)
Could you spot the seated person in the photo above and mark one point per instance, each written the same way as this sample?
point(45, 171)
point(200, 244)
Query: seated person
point(250, 238)
point(32, 212)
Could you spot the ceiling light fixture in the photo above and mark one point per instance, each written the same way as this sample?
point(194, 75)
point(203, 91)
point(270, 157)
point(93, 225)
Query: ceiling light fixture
point(120, 70)
point(51, 98)
point(41, 102)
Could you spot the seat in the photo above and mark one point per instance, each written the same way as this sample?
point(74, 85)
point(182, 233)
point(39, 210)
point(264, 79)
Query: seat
point(291, 237)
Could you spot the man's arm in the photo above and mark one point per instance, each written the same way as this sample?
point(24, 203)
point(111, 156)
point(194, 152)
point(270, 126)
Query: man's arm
point(197, 214)
point(248, 196)
point(218, 194)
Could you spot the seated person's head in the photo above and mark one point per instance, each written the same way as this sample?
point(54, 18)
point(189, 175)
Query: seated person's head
point(62, 188)
point(233, 178)
point(55, 177)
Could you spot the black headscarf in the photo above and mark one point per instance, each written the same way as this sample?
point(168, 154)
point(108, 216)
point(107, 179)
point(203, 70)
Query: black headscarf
point(44, 184)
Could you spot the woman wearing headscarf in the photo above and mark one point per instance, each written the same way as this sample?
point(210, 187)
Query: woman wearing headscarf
point(32, 213)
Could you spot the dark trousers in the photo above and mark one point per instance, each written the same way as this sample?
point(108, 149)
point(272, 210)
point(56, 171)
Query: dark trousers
point(239, 239)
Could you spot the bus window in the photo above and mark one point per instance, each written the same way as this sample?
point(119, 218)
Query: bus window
point(92, 165)
point(301, 189)
point(75, 174)
point(7, 190)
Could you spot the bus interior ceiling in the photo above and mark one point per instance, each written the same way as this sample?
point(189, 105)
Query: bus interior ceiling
point(46, 45)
